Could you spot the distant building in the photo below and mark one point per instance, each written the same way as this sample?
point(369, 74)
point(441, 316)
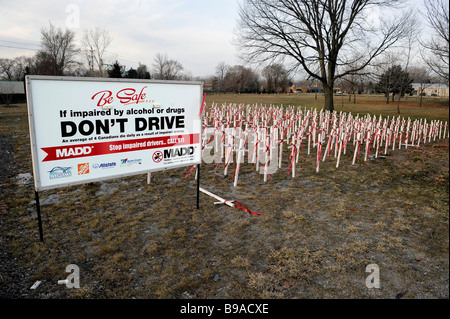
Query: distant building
point(297, 89)
point(11, 87)
point(207, 87)
point(430, 89)
point(308, 89)
point(12, 92)
point(303, 89)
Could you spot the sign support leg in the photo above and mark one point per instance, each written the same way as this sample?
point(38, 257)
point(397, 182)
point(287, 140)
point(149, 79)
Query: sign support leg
point(198, 186)
point(38, 210)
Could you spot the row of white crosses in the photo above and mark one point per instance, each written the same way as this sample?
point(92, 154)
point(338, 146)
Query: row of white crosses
point(259, 133)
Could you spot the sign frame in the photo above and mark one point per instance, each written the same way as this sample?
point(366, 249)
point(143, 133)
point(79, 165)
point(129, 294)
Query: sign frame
point(33, 137)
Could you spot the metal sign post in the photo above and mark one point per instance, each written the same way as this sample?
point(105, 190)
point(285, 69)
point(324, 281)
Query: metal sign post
point(38, 210)
point(198, 186)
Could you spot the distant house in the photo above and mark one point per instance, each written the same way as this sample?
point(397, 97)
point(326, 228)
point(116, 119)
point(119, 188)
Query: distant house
point(307, 89)
point(303, 89)
point(11, 87)
point(12, 92)
point(430, 89)
point(297, 89)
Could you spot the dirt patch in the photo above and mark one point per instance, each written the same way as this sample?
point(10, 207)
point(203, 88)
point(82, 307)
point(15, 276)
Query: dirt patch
point(12, 275)
point(5, 156)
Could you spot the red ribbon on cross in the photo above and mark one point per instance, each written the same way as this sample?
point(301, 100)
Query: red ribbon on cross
point(244, 208)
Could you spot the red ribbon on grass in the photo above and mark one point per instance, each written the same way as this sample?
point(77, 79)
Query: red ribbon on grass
point(241, 206)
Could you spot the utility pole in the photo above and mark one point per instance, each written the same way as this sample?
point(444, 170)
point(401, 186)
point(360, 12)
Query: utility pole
point(91, 61)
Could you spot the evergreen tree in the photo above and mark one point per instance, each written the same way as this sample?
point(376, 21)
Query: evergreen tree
point(131, 74)
point(396, 81)
point(116, 71)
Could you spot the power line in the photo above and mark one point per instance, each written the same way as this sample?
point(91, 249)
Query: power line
point(37, 45)
point(122, 57)
point(127, 59)
point(14, 47)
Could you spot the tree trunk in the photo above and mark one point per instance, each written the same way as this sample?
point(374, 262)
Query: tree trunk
point(328, 93)
point(398, 103)
point(420, 100)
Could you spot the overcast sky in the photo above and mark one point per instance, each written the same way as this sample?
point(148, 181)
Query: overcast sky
point(197, 33)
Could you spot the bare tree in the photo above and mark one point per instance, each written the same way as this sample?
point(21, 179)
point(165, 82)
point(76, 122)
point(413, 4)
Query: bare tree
point(167, 69)
point(319, 36)
point(14, 69)
point(221, 71)
point(276, 77)
point(58, 51)
point(422, 77)
point(7, 69)
point(7, 72)
point(438, 18)
point(173, 70)
point(411, 38)
point(24, 65)
point(351, 83)
point(159, 63)
point(240, 79)
point(186, 75)
point(95, 43)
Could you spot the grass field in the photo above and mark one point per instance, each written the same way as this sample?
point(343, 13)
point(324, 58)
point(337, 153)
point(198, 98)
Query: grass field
point(315, 238)
point(432, 108)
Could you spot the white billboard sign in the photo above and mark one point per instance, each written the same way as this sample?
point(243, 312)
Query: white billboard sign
point(90, 129)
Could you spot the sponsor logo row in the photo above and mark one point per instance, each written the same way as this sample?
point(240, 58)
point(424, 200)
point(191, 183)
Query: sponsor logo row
point(85, 168)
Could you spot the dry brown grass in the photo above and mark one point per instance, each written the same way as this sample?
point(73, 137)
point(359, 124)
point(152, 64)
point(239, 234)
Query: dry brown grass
point(433, 108)
point(316, 235)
